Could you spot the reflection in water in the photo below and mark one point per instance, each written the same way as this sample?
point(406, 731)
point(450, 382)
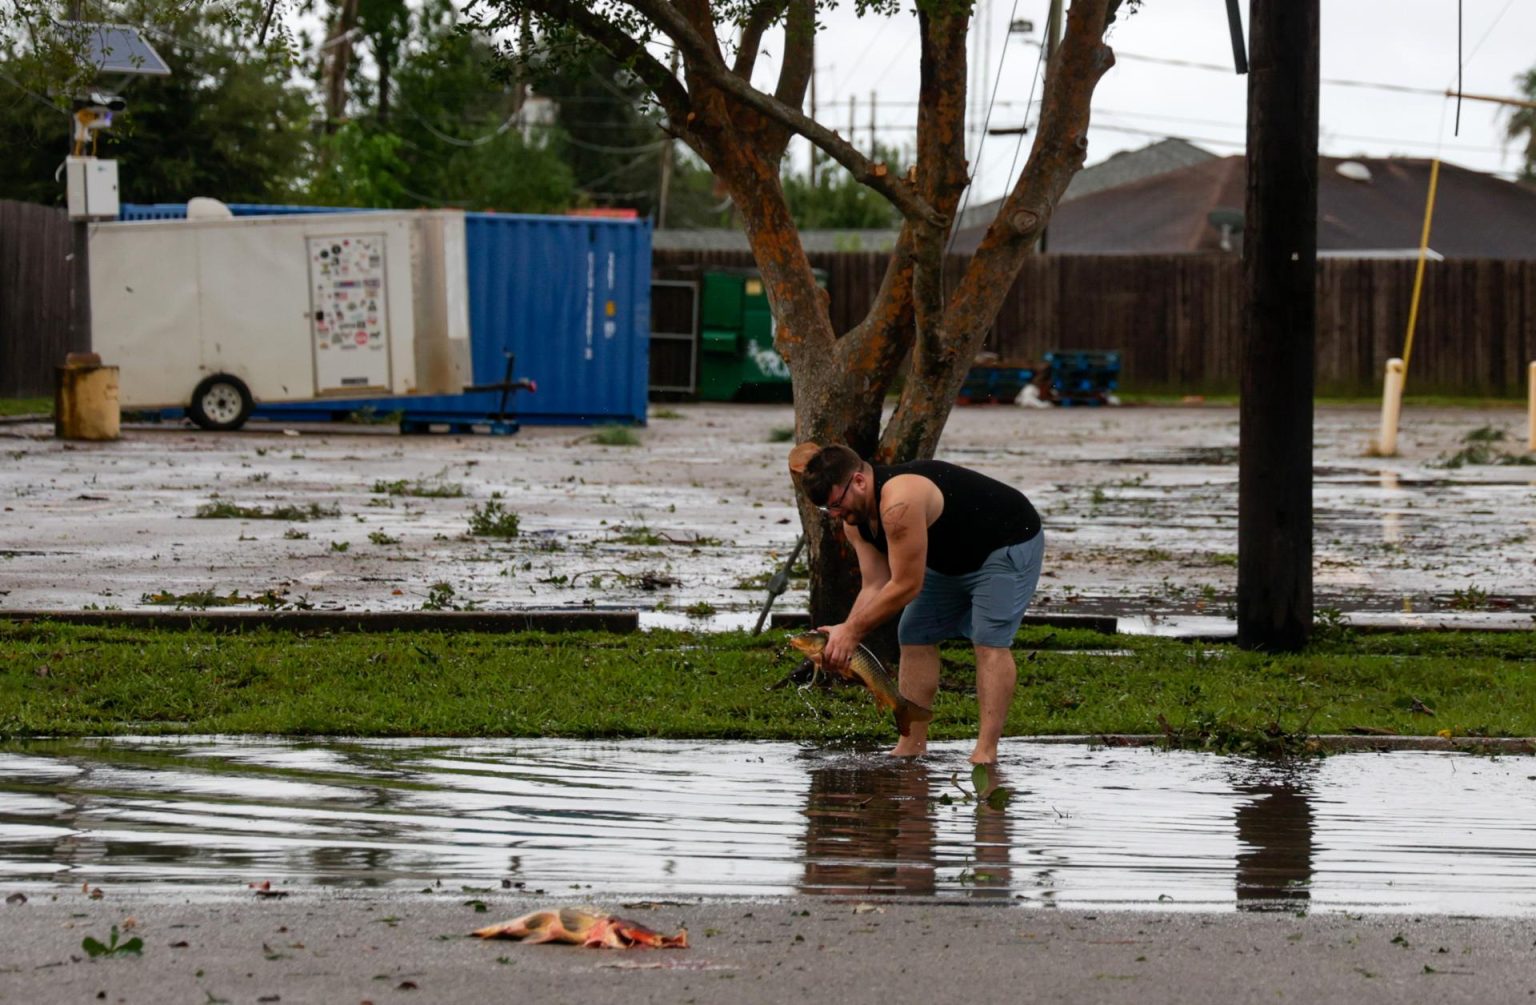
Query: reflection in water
point(869, 829)
point(991, 875)
point(1274, 829)
point(1087, 827)
point(1391, 519)
point(881, 826)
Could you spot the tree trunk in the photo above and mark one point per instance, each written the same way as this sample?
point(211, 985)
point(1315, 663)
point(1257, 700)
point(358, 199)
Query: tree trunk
point(339, 59)
point(840, 380)
point(384, 59)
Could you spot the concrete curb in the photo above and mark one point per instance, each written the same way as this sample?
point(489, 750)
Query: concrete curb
point(1328, 743)
point(1105, 624)
point(617, 622)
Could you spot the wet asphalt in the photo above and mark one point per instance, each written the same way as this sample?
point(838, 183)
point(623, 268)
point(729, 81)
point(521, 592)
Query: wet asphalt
point(1139, 506)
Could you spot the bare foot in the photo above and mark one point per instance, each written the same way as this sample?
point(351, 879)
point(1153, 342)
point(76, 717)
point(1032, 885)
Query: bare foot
point(908, 748)
point(979, 756)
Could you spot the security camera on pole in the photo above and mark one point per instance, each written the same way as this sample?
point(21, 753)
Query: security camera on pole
point(111, 53)
point(85, 398)
point(91, 182)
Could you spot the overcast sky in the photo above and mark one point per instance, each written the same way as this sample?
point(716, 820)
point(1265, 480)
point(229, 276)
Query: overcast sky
point(1399, 43)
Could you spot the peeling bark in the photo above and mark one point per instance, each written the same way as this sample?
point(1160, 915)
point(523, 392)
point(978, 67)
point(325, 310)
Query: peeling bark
point(945, 352)
point(840, 381)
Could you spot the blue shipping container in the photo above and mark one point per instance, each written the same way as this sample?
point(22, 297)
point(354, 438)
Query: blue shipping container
point(569, 296)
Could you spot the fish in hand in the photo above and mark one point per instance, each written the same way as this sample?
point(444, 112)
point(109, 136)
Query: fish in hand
point(869, 671)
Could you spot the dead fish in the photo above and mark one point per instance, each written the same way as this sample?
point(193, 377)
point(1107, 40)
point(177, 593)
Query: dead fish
point(868, 669)
point(583, 928)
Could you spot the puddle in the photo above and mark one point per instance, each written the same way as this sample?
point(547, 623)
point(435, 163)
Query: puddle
point(1087, 827)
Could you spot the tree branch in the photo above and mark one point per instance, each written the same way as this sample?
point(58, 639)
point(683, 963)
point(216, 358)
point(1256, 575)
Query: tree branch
point(1061, 146)
point(879, 342)
point(757, 22)
point(704, 59)
point(799, 54)
point(625, 48)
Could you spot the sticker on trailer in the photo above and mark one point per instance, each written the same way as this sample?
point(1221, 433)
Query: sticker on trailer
point(349, 311)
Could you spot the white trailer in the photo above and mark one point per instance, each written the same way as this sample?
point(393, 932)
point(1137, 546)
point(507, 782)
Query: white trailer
point(218, 314)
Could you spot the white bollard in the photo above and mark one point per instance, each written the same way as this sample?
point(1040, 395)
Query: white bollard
point(1391, 408)
point(1530, 383)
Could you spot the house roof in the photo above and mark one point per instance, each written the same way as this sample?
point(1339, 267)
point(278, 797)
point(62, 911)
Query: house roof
point(728, 239)
point(1476, 215)
point(1169, 211)
point(1119, 169)
point(1128, 165)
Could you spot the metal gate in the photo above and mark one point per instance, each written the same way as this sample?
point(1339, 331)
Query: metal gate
point(674, 338)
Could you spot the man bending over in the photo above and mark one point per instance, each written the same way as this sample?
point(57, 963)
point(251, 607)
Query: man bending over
point(953, 551)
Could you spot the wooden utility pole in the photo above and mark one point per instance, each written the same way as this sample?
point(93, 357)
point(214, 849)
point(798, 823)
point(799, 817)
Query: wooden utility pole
point(1274, 495)
point(813, 110)
point(1510, 102)
point(1052, 42)
point(664, 187)
point(520, 84)
point(874, 143)
point(339, 58)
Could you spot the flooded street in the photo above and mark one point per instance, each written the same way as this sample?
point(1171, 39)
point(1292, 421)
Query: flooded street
point(1140, 508)
point(1087, 827)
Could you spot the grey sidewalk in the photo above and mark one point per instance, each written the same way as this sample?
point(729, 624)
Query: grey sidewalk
point(354, 946)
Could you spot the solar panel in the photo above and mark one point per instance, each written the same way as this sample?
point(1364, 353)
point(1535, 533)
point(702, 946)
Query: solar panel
point(117, 48)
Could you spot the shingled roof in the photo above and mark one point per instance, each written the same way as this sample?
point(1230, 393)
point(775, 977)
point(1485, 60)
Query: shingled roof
point(1118, 169)
point(1379, 210)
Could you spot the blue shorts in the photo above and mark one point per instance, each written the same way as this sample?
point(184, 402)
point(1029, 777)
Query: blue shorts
point(985, 606)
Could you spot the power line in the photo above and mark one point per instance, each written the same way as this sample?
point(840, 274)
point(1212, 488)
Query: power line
point(1191, 64)
point(1216, 68)
point(869, 46)
point(1331, 137)
point(477, 141)
point(33, 94)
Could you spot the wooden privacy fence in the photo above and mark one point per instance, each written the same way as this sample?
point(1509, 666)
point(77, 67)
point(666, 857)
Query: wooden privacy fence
point(1177, 319)
point(34, 297)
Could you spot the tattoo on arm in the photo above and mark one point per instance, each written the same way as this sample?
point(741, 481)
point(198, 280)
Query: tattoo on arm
point(894, 519)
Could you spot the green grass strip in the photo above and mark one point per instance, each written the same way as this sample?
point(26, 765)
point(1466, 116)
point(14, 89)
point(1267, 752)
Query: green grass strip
point(26, 406)
point(66, 680)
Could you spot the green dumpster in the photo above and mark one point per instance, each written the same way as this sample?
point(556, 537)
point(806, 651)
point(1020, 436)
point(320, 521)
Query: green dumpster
point(737, 361)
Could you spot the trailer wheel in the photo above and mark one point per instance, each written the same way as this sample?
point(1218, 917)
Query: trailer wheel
point(221, 403)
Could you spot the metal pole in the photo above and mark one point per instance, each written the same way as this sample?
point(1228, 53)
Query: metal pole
point(79, 254)
point(1052, 42)
point(778, 584)
point(80, 287)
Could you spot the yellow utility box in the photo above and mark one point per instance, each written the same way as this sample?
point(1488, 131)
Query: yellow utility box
point(85, 399)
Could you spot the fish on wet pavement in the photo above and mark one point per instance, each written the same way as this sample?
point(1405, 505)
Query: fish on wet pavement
point(868, 670)
point(583, 928)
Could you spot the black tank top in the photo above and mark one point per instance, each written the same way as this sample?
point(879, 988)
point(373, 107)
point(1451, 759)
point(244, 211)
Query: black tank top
point(980, 515)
